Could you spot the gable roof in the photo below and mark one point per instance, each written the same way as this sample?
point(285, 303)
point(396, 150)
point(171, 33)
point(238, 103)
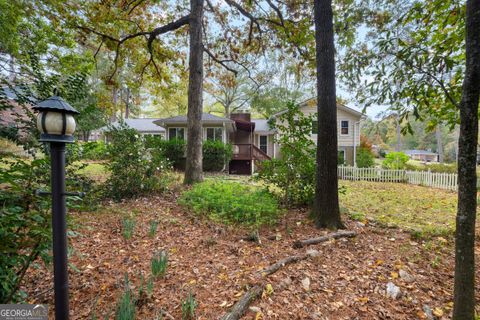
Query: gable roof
point(141, 125)
point(312, 100)
point(261, 125)
point(207, 118)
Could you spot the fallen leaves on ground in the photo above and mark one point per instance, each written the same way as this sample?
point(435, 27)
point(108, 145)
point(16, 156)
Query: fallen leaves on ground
point(346, 280)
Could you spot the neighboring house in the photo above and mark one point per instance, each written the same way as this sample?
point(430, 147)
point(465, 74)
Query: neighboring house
point(348, 129)
point(9, 117)
point(144, 126)
point(254, 141)
point(422, 155)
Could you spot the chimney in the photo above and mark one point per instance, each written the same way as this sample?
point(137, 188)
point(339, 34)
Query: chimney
point(241, 116)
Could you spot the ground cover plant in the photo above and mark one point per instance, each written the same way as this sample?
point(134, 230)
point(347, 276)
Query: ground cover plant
point(232, 203)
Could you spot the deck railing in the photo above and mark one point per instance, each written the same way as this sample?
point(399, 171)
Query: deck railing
point(438, 180)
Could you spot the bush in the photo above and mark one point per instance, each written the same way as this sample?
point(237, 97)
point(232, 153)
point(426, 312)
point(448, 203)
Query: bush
point(25, 229)
point(216, 155)
point(294, 173)
point(365, 158)
point(174, 151)
point(132, 167)
point(231, 203)
point(395, 160)
point(94, 150)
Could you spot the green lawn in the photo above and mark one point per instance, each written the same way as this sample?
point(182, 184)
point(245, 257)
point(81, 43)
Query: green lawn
point(96, 171)
point(422, 210)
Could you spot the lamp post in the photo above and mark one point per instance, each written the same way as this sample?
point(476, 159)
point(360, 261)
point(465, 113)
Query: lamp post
point(56, 124)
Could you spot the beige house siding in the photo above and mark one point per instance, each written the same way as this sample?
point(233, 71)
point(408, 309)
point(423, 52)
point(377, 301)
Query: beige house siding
point(346, 142)
point(256, 142)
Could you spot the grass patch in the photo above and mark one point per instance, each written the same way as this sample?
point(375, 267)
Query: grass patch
point(96, 171)
point(232, 203)
point(423, 211)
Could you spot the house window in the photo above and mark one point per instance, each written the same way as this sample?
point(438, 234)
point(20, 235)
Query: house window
point(214, 134)
point(341, 157)
point(176, 133)
point(263, 143)
point(315, 126)
point(344, 127)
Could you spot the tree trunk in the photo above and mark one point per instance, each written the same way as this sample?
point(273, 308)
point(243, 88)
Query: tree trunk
point(464, 291)
point(193, 168)
point(438, 135)
point(398, 146)
point(326, 209)
point(127, 104)
point(113, 117)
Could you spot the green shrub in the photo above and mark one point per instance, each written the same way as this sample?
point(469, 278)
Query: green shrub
point(25, 228)
point(365, 158)
point(231, 203)
point(433, 167)
point(159, 264)
point(94, 150)
point(395, 160)
point(174, 152)
point(294, 173)
point(24, 222)
point(133, 170)
point(216, 155)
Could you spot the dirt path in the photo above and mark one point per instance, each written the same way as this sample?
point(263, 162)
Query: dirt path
point(347, 279)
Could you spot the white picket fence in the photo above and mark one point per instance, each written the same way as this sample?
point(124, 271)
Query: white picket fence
point(438, 180)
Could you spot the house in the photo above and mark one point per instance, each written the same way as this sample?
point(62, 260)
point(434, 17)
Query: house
point(13, 113)
point(239, 130)
point(422, 155)
point(144, 126)
point(254, 141)
point(348, 129)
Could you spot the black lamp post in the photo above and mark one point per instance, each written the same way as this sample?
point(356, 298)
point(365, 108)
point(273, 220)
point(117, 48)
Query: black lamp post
point(56, 123)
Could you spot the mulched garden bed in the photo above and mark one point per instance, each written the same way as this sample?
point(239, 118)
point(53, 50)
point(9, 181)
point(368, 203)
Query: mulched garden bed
point(346, 278)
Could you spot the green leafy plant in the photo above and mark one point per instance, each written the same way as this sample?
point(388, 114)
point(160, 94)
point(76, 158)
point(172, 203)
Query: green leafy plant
point(128, 226)
point(125, 309)
point(94, 150)
point(159, 264)
point(153, 228)
point(294, 173)
point(216, 155)
point(174, 151)
point(232, 203)
point(395, 160)
point(365, 158)
point(25, 229)
point(189, 307)
point(132, 167)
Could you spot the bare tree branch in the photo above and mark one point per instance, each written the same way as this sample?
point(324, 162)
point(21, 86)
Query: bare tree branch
point(151, 37)
point(220, 62)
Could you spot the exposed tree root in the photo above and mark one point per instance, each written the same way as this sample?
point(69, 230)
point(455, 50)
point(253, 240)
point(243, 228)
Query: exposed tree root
point(242, 305)
point(276, 266)
point(239, 308)
point(334, 235)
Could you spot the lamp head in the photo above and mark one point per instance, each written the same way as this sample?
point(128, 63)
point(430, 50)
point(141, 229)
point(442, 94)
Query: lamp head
point(55, 120)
